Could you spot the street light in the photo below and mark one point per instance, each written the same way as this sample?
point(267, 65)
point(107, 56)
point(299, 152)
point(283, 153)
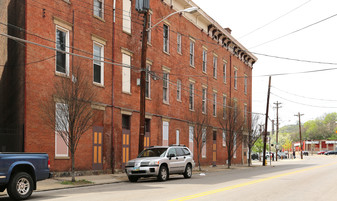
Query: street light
point(187, 10)
point(146, 29)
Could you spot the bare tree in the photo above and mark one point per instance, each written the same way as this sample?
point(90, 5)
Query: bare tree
point(68, 112)
point(201, 122)
point(253, 135)
point(232, 123)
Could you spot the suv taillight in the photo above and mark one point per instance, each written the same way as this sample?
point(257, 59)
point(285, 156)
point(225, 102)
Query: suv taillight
point(49, 163)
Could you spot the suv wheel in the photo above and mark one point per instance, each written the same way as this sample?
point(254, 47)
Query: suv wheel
point(20, 186)
point(188, 171)
point(133, 178)
point(163, 173)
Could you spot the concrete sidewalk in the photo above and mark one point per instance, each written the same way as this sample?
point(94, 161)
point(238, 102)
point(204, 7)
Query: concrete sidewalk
point(56, 182)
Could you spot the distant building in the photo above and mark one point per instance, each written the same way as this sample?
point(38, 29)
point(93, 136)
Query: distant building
point(193, 63)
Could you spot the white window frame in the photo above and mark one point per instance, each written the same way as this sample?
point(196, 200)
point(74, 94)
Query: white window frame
point(235, 78)
point(191, 138)
point(214, 104)
point(149, 31)
point(179, 43)
point(99, 10)
point(165, 141)
point(126, 16)
point(101, 63)
point(204, 60)
point(204, 142)
point(148, 81)
point(215, 66)
point(245, 113)
point(166, 87)
point(57, 116)
point(59, 28)
point(224, 106)
point(204, 100)
point(246, 84)
point(166, 41)
point(225, 72)
point(224, 143)
point(192, 43)
point(191, 97)
point(177, 136)
point(178, 90)
point(126, 73)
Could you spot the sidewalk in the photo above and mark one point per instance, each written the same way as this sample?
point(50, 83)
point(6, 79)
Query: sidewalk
point(56, 182)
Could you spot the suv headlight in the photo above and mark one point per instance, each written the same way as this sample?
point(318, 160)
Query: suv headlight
point(154, 163)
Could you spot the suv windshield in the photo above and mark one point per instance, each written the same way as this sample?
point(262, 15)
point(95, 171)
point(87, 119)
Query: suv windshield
point(153, 152)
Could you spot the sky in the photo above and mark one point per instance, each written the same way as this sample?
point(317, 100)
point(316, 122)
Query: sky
point(253, 23)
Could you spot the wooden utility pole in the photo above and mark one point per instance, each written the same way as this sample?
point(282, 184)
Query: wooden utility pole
point(276, 146)
point(299, 124)
point(142, 84)
point(266, 126)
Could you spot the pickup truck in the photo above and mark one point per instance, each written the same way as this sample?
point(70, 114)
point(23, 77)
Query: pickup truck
point(19, 173)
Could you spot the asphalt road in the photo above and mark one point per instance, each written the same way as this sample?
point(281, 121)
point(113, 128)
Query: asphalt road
point(313, 178)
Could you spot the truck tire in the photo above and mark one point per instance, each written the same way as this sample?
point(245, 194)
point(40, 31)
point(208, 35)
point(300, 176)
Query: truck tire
point(20, 186)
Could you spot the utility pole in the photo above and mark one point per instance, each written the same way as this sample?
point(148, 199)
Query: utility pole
point(299, 124)
point(266, 126)
point(276, 146)
point(142, 83)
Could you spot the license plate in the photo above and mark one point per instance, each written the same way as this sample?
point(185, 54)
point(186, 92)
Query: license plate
point(136, 168)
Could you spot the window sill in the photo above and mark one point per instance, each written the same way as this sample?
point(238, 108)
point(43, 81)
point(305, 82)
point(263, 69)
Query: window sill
point(191, 110)
point(61, 74)
point(166, 103)
point(67, 1)
point(167, 53)
point(128, 93)
point(148, 98)
point(149, 44)
point(62, 158)
point(180, 53)
point(179, 100)
point(98, 84)
point(99, 18)
point(204, 72)
point(192, 66)
point(128, 33)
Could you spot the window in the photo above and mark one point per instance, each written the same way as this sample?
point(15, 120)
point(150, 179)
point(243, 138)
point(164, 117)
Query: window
point(62, 43)
point(61, 129)
point(215, 66)
point(236, 79)
point(246, 84)
point(149, 31)
point(214, 104)
point(126, 122)
point(98, 8)
point(203, 150)
point(204, 60)
point(126, 73)
point(147, 81)
point(166, 87)
point(179, 90)
point(235, 109)
point(126, 16)
point(204, 100)
point(191, 53)
point(177, 136)
point(245, 113)
point(179, 43)
point(191, 97)
point(98, 63)
point(224, 106)
point(191, 138)
point(166, 38)
point(165, 133)
point(224, 138)
point(224, 72)
point(234, 142)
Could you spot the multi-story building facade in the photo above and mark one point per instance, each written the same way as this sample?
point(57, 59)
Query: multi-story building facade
point(194, 68)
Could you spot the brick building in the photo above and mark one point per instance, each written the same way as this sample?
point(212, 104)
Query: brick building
point(192, 64)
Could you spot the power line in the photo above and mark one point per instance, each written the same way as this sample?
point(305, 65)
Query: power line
point(303, 96)
point(274, 20)
point(301, 103)
point(293, 32)
point(292, 59)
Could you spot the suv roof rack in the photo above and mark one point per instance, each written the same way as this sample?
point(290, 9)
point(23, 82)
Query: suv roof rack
point(178, 145)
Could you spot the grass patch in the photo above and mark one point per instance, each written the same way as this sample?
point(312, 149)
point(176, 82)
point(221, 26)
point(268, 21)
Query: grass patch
point(78, 182)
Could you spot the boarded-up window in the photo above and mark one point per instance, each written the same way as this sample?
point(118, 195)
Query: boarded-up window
point(126, 16)
point(126, 74)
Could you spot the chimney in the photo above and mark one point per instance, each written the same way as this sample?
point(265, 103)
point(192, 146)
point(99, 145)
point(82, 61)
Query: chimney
point(228, 30)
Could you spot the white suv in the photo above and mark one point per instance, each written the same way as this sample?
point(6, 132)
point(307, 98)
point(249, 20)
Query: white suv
point(161, 161)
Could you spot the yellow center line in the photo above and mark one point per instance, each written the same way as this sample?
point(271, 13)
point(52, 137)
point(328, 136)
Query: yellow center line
point(247, 183)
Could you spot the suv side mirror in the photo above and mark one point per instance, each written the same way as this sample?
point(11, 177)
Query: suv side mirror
point(171, 156)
